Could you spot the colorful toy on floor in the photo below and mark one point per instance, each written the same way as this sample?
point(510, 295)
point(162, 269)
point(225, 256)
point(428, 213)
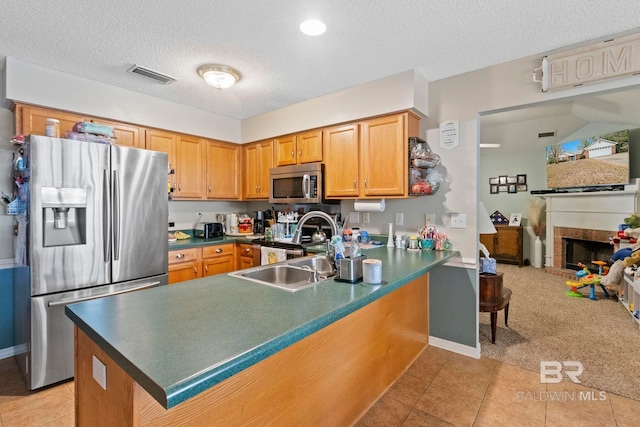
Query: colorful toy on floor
point(586, 278)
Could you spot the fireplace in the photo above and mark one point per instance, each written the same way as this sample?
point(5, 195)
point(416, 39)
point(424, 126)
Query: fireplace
point(584, 251)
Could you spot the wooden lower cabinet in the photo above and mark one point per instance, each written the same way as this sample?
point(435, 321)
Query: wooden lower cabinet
point(244, 255)
point(218, 259)
point(185, 264)
point(505, 245)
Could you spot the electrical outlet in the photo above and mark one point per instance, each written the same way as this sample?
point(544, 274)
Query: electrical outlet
point(399, 218)
point(458, 220)
point(365, 218)
point(430, 218)
point(354, 217)
point(100, 372)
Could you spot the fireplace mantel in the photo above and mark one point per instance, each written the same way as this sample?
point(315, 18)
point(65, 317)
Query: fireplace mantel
point(601, 211)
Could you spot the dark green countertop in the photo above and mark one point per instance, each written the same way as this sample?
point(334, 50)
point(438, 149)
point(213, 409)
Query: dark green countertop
point(177, 341)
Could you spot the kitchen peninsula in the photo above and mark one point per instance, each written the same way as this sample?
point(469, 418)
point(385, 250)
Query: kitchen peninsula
point(226, 351)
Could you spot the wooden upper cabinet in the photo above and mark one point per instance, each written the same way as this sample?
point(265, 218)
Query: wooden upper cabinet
point(125, 135)
point(384, 157)
point(191, 153)
point(258, 159)
point(309, 147)
point(32, 120)
point(223, 170)
point(305, 147)
point(285, 150)
point(341, 154)
point(165, 142)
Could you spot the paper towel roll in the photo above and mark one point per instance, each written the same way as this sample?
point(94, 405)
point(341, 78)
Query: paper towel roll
point(372, 271)
point(369, 205)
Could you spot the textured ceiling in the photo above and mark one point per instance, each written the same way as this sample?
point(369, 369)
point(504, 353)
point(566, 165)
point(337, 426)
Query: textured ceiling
point(365, 40)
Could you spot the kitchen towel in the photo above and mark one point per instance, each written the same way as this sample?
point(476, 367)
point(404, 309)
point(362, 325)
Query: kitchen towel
point(369, 205)
point(272, 255)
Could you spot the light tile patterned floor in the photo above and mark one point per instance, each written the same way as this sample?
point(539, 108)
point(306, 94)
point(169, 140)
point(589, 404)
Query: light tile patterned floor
point(439, 389)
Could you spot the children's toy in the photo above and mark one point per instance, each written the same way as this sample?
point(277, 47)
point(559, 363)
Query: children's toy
point(586, 278)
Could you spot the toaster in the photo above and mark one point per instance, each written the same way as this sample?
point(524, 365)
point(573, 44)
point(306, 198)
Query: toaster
point(210, 230)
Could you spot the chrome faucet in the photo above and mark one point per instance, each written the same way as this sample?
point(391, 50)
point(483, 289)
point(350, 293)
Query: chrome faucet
point(297, 236)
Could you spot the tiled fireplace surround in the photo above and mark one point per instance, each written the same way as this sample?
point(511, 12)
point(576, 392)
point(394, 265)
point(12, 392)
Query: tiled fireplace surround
point(584, 216)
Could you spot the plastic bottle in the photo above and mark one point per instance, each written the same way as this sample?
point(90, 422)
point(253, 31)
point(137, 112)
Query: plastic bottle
point(355, 247)
point(52, 128)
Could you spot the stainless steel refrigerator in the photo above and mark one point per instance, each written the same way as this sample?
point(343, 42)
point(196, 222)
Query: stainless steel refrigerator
point(95, 225)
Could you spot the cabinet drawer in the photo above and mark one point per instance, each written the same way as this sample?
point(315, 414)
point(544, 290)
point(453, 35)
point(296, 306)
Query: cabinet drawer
point(217, 250)
point(183, 255)
point(245, 250)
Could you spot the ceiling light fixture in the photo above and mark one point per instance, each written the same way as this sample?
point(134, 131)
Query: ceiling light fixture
point(219, 76)
point(313, 27)
point(489, 145)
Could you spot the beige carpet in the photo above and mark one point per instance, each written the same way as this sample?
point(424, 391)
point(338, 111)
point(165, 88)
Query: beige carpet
point(544, 324)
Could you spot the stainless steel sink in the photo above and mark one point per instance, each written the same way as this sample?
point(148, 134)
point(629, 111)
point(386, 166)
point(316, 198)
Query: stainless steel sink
point(291, 275)
point(319, 263)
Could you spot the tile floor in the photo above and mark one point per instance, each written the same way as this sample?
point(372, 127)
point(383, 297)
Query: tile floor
point(439, 389)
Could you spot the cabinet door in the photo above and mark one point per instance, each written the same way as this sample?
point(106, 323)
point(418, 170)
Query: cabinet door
point(223, 170)
point(126, 135)
point(33, 120)
point(309, 146)
point(184, 271)
point(285, 150)
point(164, 142)
point(244, 254)
point(218, 259)
point(190, 168)
point(508, 242)
point(341, 158)
point(488, 240)
point(258, 159)
point(384, 157)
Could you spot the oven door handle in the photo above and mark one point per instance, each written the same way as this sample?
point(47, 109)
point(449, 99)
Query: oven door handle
point(295, 252)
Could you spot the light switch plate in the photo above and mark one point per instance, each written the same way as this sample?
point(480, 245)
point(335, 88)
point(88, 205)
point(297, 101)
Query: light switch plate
point(354, 217)
point(399, 218)
point(366, 218)
point(458, 220)
point(430, 218)
point(100, 372)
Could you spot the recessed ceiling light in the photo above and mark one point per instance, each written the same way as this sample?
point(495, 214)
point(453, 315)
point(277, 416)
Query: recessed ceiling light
point(313, 27)
point(219, 76)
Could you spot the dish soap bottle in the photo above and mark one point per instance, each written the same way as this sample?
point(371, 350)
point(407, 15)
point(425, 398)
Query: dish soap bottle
point(355, 247)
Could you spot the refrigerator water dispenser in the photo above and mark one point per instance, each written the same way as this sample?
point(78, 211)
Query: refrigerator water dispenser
point(64, 214)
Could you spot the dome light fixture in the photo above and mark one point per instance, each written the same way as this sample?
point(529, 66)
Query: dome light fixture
point(313, 27)
point(219, 76)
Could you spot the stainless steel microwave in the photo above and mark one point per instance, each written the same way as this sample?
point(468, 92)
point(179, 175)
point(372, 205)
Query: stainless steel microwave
point(296, 184)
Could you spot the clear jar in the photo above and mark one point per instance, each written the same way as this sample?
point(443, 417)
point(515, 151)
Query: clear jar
point(52, 128)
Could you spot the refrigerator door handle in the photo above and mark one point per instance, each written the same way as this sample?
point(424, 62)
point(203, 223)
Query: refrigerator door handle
point(106, 224)
point(90, 297)
point(116, 216)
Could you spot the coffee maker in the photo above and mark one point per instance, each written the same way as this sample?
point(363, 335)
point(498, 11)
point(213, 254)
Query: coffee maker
point(259, 222)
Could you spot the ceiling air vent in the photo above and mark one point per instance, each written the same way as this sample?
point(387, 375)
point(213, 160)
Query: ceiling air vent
point(546, 134)
point(150, 74)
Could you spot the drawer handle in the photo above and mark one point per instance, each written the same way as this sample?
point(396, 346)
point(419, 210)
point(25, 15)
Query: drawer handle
point(293, 154)
point(366, 184)
point(354, 183)
point(218, 250)
point(179, 256)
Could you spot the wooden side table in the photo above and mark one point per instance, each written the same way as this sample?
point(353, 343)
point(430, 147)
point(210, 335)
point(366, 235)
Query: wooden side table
point(493, 298)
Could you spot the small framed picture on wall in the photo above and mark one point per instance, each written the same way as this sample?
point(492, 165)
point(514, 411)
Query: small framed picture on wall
point(522, 188)
point(502, 180)
point(493, 180)
point(503, 188)
point(512, 188)
point(522, 179)
point(494, 189)
point(511, 179)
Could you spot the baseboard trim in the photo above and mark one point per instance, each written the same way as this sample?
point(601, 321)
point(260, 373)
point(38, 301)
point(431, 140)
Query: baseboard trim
point(455, 347)
point(6, 263)
point(12, 351)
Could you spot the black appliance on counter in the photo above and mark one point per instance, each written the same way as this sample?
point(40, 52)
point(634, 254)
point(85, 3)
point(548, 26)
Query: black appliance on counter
point(261, 221)
point(211, 230)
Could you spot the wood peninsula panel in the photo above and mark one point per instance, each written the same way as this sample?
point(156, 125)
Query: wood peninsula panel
point(328, 378)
